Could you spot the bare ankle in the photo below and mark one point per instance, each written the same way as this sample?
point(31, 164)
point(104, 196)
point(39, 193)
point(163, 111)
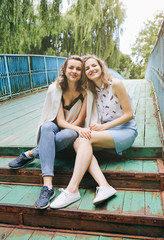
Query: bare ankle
point(72, 189)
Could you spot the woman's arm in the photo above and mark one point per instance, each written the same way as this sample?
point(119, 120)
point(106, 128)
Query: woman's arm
point(76, 125)
point(120, 92)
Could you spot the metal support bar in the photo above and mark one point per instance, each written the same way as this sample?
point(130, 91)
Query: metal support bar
point(46, 69)
point(7, 72)
point(57, 63)
point(30, 73)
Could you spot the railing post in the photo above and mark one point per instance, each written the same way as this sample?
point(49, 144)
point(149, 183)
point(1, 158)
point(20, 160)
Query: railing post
point(46, 69)
point(7, 71)
point(57, 66)
point(29, 68)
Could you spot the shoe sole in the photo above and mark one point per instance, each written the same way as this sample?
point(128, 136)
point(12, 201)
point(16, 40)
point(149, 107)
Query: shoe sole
point(98, 202)
point(21, 166)
point(38, 207)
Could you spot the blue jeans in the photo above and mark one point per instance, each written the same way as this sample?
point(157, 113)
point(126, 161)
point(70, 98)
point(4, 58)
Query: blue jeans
point(52, 140)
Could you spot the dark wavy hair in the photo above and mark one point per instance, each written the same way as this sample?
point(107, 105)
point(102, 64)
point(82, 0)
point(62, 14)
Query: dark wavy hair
point(62, 79)
point(105, 75)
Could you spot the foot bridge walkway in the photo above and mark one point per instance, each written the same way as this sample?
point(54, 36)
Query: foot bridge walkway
point(135, 212)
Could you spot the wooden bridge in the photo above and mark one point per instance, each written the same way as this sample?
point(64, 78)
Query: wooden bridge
point(137, 209)
point(135, 212)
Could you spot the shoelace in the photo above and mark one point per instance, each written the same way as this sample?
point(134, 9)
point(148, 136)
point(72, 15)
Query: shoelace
point(20, 160)
point(64, 194)
point(44, 193)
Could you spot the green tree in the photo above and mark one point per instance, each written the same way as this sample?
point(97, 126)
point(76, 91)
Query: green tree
point(125, 65)
point(18, 31)
point(146, 39)
point(49, 23)
point(92, 26)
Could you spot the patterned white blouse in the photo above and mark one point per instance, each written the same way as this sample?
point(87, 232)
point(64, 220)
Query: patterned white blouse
point(108, 105)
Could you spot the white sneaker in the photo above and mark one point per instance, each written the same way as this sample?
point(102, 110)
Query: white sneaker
point(103, 193)
point(64, 199)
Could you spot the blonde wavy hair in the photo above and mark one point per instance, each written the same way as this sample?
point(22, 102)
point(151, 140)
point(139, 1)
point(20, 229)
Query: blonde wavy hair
point(105, 75)
point(62, 79)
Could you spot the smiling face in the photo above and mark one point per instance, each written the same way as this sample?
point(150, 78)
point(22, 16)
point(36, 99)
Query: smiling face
point(93, 70)
point(73, 70)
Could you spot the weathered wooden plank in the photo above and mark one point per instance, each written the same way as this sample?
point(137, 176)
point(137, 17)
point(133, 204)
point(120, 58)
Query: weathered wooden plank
point(153, 203)
point(116, 165)
point(86, 203)
point(20, 114)
point(19, 129)
point(140, 121)
point(131, 177)
point(130, 238)
point(133, 165)
point(94, 221)
point(4, 162)
point(150, 166)
point(134, 203)
point(32, 100)
point(143, 152)
point(20, 234)
point(67, 235)
point(31, 196)
point(23, 119)
point(113, 165)
point(64, 236)
point(115, 203)
point(42, 235)
point(4, 190)
point(77, 203)
point(110, 238)
point(151, 128)
point(86, 237)
point(24, 130)
point(16, 193)
point(87, 220)
point(4, 232)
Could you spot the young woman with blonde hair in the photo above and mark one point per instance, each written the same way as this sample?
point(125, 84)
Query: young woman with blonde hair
point(116, 127)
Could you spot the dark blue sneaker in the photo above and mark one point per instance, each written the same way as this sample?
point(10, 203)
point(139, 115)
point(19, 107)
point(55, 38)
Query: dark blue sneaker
point(44, 199)
point(20, 161)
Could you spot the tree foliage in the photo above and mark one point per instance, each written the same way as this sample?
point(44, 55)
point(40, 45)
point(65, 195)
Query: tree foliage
point(92, 26)
point(18, 30)
point(128, 69)
point(146, 39)
point(144, 43)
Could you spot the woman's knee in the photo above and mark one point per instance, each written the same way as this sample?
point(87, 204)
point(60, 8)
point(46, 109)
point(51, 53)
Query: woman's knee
point(80, 141)
point(49, 126)
point(76, 144)
point(69, 133)
point(83, 141)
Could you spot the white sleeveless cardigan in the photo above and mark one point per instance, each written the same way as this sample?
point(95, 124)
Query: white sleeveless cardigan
point(52, 104)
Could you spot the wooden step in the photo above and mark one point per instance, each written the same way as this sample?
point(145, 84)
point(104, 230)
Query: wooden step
point(121, 173)
point(133, 152)
point(138, 213)
point(33, 234)
point(7, 233)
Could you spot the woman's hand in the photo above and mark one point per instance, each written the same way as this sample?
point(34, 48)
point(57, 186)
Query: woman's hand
point(85, 133)
point(97, 127)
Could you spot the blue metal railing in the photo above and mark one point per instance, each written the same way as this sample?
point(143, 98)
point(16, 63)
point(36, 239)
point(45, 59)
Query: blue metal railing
point(155, 70)
point(20, 73)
